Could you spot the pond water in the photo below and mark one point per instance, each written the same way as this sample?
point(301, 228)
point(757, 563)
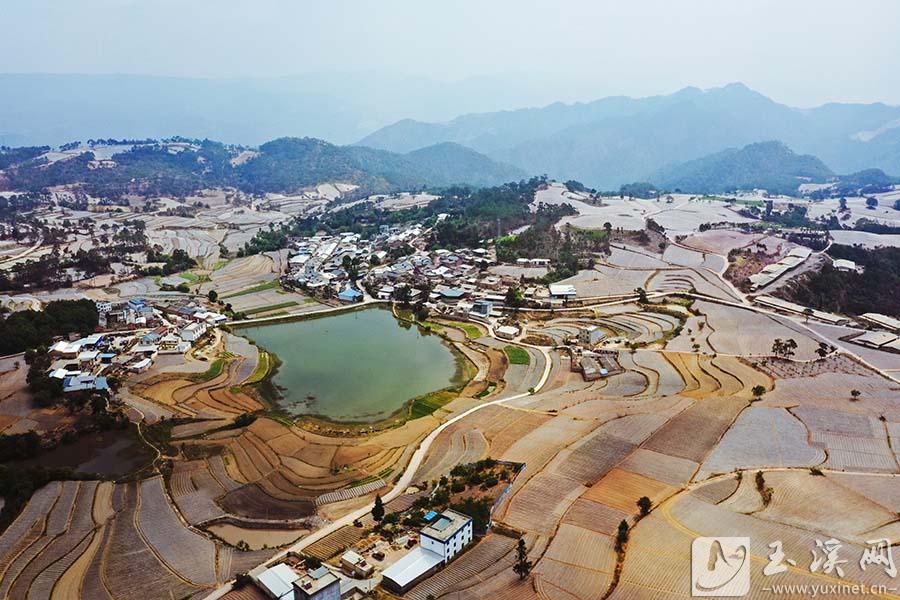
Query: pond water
point(359, 366)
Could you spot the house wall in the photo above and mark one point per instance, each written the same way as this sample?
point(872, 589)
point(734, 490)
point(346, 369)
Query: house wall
point(332, 592)
point(452, 546)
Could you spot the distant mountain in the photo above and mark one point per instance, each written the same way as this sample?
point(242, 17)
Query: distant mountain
point(771, 166)
point(616, 140)
point(453, 163)
point(293, 163)
point(282, 165)
point(341, 107)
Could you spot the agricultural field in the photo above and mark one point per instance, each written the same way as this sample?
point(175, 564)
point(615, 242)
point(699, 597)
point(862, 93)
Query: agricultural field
point(669, 442)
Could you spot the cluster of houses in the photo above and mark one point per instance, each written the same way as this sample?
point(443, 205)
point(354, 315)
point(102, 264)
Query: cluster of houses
point(443, 537)
point(458, 281)
point(83, 364)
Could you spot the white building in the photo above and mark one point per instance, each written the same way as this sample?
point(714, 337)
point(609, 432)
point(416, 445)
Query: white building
point(439, 542)
point(278, 582)
point(141, 365)
point(590, 335)
point(880, 320)
point(193, 332)
point(447, 535)
point(507, 332)
point(559, 290)
point(842, 264)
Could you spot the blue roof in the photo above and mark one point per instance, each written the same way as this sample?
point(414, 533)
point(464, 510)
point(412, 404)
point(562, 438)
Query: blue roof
point(350, 294)
point(452, 293)
point(318, 573)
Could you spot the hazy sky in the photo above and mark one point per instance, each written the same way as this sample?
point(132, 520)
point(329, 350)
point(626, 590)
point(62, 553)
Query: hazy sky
point(798, 52)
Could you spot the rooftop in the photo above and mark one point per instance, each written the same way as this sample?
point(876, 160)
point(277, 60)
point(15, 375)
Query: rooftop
point(316, 580)
point(446, 525)
point(278, 581)
point(561, 289)
point(407, 569)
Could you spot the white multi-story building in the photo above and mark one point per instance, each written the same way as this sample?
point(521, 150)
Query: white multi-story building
point(590, 335)
point(447, 535)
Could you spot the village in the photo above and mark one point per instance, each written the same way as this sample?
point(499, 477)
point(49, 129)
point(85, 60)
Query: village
point(135, 333)
point(586, 389)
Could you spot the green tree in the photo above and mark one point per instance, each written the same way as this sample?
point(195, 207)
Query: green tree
point(758, 391)
point(855, 394)
point(378, 509)
point(514, 298)
point(522, 566)
point(622, 535)
point(213, 295)
point(644, 505)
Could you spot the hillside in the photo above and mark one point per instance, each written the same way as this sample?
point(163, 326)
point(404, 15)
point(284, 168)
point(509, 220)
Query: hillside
point(449, 163)
point(770, 166)
point(616, 140)
point(282, 165)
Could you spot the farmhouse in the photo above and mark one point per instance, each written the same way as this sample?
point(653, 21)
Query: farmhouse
point(141, 365)
point(564, 291)
point(842, 264)
point(589, 335)
point(350, 295)
point(193, 332)
point(84, 382)
point(318, 584)
point(507, 332)
point(440, 541)
point(356, 565)
point(482, 308)
point(278, 582)
point(452, 295)
point(448, 535)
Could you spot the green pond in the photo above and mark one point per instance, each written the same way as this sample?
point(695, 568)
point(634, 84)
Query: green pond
point(361, 365)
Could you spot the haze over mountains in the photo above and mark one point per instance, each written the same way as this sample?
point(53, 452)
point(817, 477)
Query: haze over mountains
point(604, 143)
point(616, 140)
point(38, 109)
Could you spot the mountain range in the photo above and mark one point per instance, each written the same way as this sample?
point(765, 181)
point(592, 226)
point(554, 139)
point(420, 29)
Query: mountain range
point(281, 165)
point(617, 140)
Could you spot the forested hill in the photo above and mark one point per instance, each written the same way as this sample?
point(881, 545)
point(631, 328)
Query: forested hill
point(771, 166)
point(282, 165)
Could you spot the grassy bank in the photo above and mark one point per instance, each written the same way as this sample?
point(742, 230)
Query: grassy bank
point(517, 356)
point(214, 370)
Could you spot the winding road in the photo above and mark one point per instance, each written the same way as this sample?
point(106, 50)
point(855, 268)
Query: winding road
point(406, 478)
